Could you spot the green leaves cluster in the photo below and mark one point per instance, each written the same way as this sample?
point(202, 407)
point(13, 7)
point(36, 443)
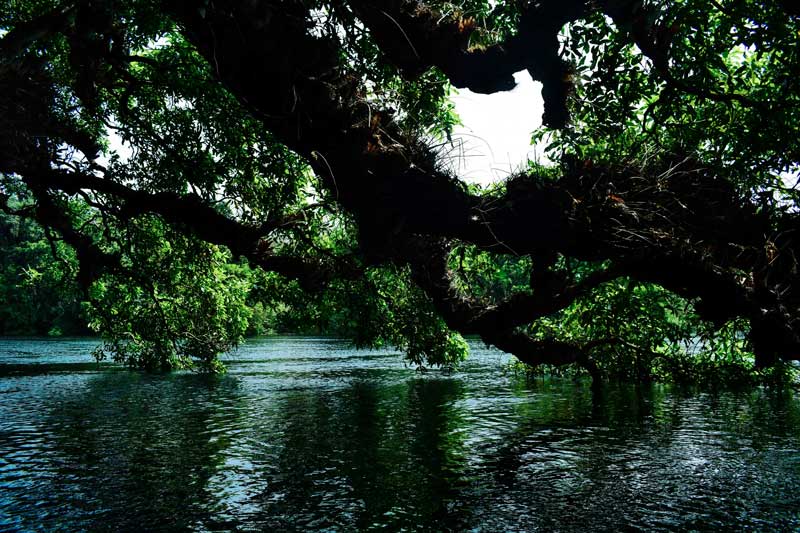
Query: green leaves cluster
point(181, 304)
point(644, 332)
point(716, 84)
point(398, 313)
point(36, 282)
point(492, 277)
point(384, 308)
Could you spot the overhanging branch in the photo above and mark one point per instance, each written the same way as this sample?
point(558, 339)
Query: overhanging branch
point(416, 38)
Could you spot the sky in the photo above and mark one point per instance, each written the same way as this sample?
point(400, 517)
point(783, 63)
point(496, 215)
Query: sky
point(495, 136)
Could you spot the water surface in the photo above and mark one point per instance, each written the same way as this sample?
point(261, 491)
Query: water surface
point(307, 434)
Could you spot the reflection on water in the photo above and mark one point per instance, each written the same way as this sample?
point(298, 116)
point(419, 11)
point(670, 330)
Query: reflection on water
point(306, 434)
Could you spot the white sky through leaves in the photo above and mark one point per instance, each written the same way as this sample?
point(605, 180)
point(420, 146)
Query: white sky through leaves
point(495, 136)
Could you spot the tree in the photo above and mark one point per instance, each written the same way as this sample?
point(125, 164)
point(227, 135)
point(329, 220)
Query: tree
point(308, 139)
point(38, 294)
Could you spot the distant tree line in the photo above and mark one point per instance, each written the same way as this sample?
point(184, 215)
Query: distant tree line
point(38, 294)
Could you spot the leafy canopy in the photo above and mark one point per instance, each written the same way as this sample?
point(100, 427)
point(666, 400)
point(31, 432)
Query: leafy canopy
point(193, 188)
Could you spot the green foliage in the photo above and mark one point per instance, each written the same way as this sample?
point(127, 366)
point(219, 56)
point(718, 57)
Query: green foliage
point(728, 100)
point(650, 333)
point(382, 308)
point(490, 276)
point(184, 305)
point(399, 313)
point(37, 285)
point(636, 331)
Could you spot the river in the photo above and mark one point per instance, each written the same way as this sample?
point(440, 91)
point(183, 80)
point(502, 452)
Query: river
point(307, 434)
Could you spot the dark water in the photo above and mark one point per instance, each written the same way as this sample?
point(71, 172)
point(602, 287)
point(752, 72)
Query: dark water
point(306, 434)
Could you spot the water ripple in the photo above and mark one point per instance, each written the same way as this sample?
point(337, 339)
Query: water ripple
point(306, 434)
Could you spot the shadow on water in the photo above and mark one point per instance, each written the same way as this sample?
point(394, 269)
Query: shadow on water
point(125, 451)
point(366, 456)
point(36, 369)
point(137, 452)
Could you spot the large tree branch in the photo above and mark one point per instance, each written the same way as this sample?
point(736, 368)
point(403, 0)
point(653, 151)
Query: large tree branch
point(524, 308)
point(495, 325)
point(684, 229)
point(416, 38)
point(190, 212)
point(93, 261)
